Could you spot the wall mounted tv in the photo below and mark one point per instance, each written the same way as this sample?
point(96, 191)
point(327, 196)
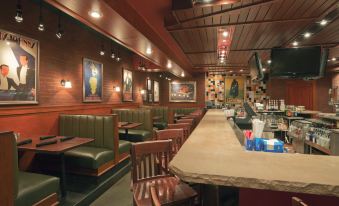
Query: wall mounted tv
point(305, 62)
point(255, 67)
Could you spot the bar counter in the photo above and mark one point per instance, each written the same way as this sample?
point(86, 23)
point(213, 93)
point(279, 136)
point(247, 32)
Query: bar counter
point(214, 155)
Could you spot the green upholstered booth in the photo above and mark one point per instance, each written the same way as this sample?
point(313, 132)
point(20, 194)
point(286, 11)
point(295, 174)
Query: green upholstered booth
point(159, 111)
point(141, 133)
point(23, 188)
point(100, 155)
point(184, 110)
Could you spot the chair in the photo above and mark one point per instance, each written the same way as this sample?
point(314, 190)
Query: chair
point(297, 202)
point(176, 135)
point(23, 188)
point(185, 126)
point(146, 171)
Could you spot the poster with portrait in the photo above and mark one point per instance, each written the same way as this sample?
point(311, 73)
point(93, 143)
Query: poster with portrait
point(182, 91)
point(92, 80)
point(234, 89)
point(127, 85)
point(19, 65)
point(156, 91)
point(149, 90)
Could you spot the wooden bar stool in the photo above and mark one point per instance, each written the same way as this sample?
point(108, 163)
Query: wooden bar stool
point(147, 158)
point(176, 135)
point(297, 202)
point(185, 126)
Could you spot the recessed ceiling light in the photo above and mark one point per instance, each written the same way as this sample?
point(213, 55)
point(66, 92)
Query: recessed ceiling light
point(225, 33)
point(263, 69)
point(149, 50)
point(307, 34)
point(334, 59)
point(241, 70)
point(323, 22)
point(224, 40)
point(231, 71)
point(182, 74)
point(269, 61)
point(95, 14)
point(295, 43)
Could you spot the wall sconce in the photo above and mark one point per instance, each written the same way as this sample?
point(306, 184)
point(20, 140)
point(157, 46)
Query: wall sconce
point(116, 89)
point(66, 83)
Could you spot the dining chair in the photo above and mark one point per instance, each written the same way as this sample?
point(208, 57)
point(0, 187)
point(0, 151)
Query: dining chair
point(298, 202)
point(176, 135)
point(185, 126)
point(146, 172)
point(189, 121)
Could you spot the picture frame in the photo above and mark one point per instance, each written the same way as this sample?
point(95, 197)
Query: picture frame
point(127, 85)
point(92, 80)
point(182, 91)
point(156, 91)
point(19, 53)
point(149, 90)
point(235, 89)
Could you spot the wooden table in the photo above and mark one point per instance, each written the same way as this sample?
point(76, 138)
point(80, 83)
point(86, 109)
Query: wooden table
point(128, 125)
point(58, 148)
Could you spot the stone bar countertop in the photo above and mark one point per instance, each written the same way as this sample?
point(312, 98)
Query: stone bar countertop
point(213, 155)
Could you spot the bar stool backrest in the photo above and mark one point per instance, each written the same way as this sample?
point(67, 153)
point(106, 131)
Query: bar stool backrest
point(176, 135)
point(185, 126)
point(150, 159)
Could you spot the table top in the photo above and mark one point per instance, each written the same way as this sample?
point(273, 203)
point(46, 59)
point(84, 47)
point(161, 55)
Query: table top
point(128, 125)
point(215, 145)
point(59, 147)
point(157, 117)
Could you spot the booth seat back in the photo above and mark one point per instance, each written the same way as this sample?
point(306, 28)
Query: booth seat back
point(143, 116)
point(184, 110)
point(102, 128)
point(9, 168)
point(158, 111)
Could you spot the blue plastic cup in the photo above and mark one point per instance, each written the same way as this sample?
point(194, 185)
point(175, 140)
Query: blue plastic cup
point(249, 144)
point(258, 144)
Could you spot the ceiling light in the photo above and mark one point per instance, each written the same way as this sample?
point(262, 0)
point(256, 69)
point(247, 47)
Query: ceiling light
point(295, 43)
point(18, 17)
point(269, 61)
point(169, 65)
point(149, 50)
point(323, 22)
point(102, 50)
point(118, 59)
point(241, 70)
point(307, 34)
point(334, 59)
point(263, 69)
point(112, 55)
point(225, 33)
point(95, 14)
point(8, 43)
point(224, 40)
point(182, 74)
point(231, 71)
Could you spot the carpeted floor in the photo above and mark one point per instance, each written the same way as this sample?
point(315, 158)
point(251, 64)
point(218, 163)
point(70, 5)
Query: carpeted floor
point(118, 195)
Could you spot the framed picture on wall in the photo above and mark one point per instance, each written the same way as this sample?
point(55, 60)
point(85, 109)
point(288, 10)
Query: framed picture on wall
point(19, 69)
point(149, 90)
point(182, 91)
point(234, 89)
point(156, 91)
point(127, 85)
point(92, 80)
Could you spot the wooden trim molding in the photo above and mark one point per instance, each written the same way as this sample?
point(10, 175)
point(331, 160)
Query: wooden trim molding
point(51, 200)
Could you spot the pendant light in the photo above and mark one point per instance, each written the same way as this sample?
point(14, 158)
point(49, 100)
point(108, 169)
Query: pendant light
point(102, 50)
point(60, 32)
point(18, 16)
point(41, 26)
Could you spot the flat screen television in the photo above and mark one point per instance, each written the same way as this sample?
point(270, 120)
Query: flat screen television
point(255, 67)
point(305, 62)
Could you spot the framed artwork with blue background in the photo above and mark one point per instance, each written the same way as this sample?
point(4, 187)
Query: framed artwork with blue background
point(92, 80)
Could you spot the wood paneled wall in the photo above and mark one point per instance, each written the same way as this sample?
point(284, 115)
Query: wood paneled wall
point(62, 59)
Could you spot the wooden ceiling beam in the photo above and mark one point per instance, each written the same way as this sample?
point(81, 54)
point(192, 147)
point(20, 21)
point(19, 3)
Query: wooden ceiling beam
point(241, 23)
point(231, 10)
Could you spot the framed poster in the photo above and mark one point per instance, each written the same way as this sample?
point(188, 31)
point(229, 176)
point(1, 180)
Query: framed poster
point(234, 89)
point(155, 91)
point(182, 91)
point(19, 69)
point(127, 85)
point(149, 90)
point(92, 80)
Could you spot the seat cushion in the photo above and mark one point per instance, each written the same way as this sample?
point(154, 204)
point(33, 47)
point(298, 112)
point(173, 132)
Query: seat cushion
point(135, 135)
point(88, 157)
point(160, 125)
point(34, 187)
point(124, 146)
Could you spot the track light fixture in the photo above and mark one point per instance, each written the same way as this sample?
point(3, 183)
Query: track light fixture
point(102, 50)
point(41, 26)
point(18, 16)
point(118, 56)
point(60, 32)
